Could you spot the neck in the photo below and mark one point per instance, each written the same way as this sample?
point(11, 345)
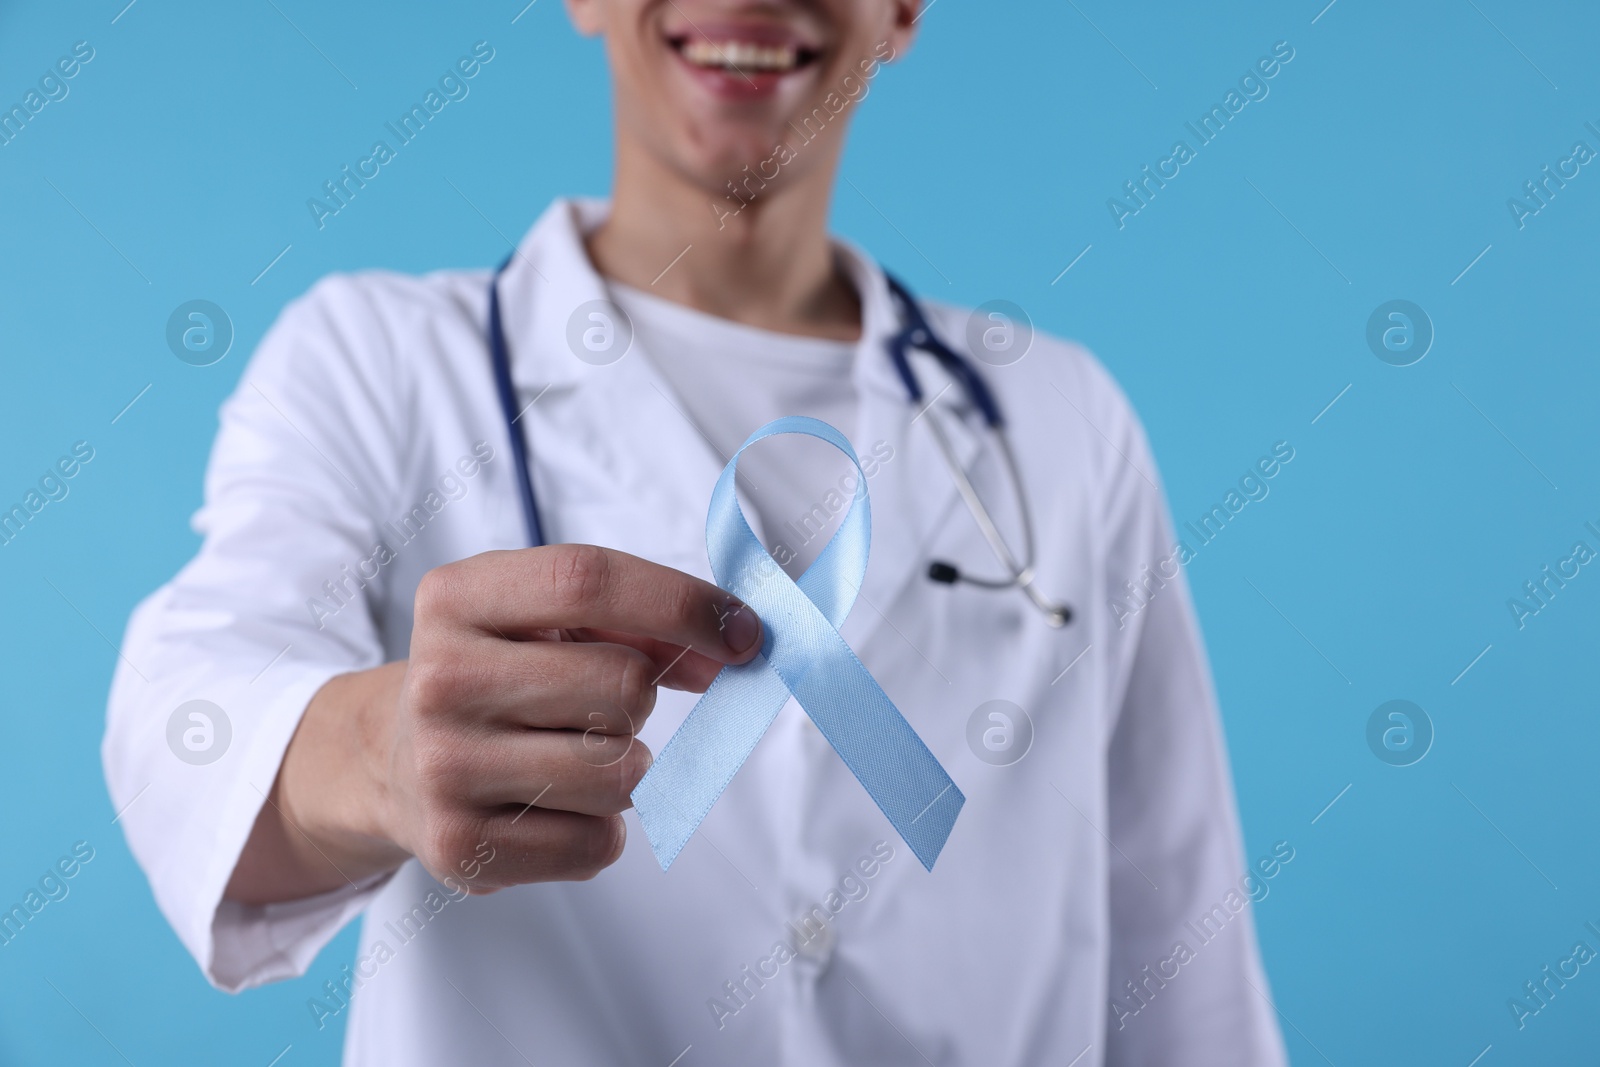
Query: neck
point(770, 265)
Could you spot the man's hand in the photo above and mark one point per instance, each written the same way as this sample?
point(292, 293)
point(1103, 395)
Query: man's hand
point(509, 733)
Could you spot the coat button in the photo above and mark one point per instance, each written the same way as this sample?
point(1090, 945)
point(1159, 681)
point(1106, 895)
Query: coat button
point(818, 949)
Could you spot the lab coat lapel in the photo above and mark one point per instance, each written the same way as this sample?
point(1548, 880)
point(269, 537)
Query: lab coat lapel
point(912, 493)
point(616, 462)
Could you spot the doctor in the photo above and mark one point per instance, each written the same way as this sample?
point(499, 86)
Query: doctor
point(411, 715)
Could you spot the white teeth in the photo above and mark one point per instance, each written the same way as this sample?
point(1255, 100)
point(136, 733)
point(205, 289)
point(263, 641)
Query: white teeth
point(740, 55)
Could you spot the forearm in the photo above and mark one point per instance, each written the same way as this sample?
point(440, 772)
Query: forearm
point(323, 824)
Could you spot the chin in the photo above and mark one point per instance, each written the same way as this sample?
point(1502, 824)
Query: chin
point(725, 93)
point(723, 155)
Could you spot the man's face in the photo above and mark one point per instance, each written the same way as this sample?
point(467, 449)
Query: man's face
point(708, 87)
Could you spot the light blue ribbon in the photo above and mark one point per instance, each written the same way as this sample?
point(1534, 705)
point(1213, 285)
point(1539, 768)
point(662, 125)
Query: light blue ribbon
point(803, 654)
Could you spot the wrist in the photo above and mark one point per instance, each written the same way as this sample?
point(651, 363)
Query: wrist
point(334, 786)
point(324, 824)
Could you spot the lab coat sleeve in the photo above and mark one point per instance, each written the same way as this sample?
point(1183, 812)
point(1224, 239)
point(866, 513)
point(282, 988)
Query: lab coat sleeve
point(305, 456)
point(1177, 855)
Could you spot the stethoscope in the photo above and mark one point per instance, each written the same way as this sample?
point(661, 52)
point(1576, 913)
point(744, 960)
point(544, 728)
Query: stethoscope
point(915, 333)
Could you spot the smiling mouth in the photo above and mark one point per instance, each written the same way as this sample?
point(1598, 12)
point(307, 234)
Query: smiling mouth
point(743, 57)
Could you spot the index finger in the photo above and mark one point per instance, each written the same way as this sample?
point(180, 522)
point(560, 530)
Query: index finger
point(520, 592)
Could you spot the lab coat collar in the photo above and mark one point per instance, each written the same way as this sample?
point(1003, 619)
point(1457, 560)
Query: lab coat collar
point(544, 290)
point(547, 281)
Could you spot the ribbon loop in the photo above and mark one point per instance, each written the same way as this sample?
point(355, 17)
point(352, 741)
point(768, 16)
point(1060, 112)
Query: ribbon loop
point(801, 654)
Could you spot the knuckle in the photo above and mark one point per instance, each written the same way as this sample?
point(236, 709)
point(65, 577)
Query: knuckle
point(435, 683)
point(634, 766)
point(635, 693)
point(624, 775)
point(438, 592)
point(578, 575)
point(449, 838)
point(609, 786)
point(688, 608)
point(437, 765)
point(599, 847)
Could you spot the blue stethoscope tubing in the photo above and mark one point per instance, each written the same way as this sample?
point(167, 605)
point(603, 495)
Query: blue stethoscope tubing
point(915, 334)
point(500, 357)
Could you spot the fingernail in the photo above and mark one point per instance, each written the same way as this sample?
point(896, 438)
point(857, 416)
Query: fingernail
point(740, 627)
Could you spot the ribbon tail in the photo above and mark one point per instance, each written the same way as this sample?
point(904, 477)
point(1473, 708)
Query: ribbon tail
point(696, 765)
point(882, 750)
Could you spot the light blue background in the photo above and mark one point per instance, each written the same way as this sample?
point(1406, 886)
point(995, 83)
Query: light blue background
point(1393, 541)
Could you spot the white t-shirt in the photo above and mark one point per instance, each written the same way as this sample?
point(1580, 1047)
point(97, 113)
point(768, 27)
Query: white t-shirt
point(728, 380)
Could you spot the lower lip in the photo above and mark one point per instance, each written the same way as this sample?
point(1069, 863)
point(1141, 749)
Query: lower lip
point(733, 85)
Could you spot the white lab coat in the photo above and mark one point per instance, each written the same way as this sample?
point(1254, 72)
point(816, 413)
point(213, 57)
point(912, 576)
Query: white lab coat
point(350, 427)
